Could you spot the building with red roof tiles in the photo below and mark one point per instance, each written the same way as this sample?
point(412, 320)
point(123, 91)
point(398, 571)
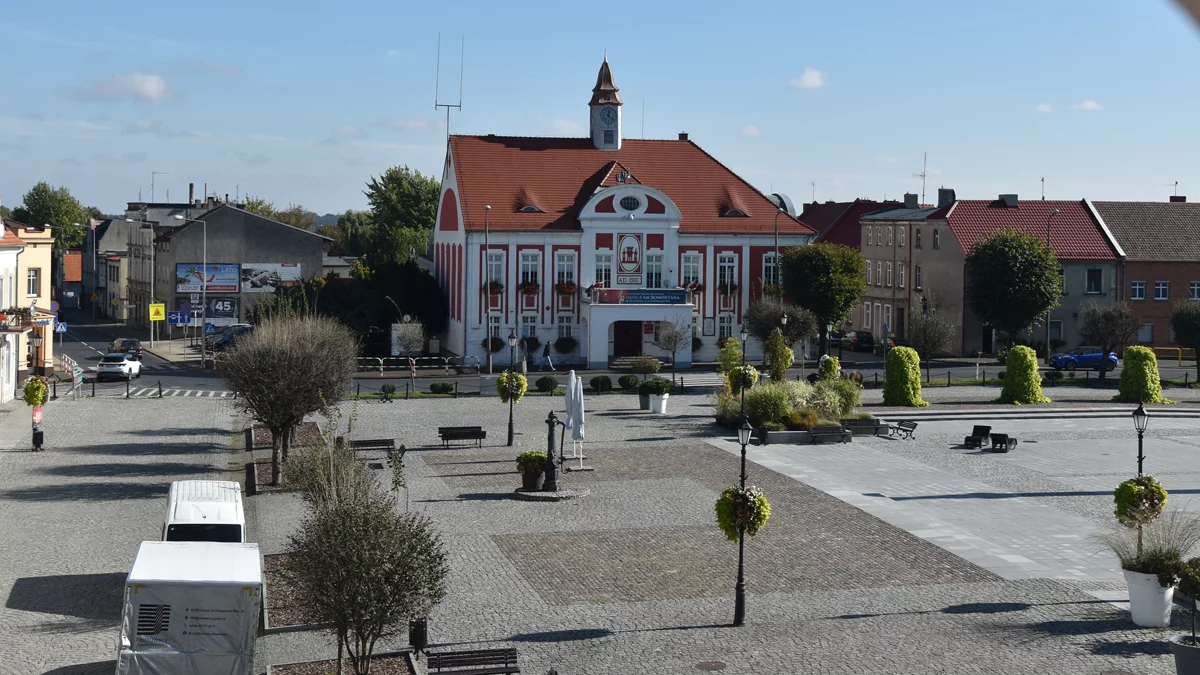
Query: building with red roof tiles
point(68, 278)
point(837, 222)
point(591, 242)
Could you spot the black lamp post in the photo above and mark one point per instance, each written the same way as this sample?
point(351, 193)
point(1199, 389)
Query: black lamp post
point(739, 598)
point(744, 336)
point(512, 358)
point(35, 340)
point(1140, 419)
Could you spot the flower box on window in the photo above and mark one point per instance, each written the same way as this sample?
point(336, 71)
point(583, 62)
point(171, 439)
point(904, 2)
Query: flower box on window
point(528, 287)
point(493, 287)
point(727, 288)
point(566, 289)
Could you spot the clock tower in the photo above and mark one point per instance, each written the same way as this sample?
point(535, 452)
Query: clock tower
point(606, 111)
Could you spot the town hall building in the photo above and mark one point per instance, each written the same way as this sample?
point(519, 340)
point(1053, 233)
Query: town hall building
point(600, 239)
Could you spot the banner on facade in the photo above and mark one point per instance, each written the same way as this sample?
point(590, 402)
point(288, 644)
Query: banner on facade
point(192, 278)
point(642, 296)
point(266, 277)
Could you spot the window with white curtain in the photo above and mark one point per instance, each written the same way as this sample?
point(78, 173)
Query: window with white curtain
point(691, 269)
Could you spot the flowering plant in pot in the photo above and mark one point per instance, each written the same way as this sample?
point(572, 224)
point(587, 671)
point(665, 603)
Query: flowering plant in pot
point(742, 377)
point(494, 287)
point(742, 510)
point(528, 287)
point(566, 288)
point(658, 390)
point(646, 366)
point(1139, 502)
point(1186, 648)
point(532, 465)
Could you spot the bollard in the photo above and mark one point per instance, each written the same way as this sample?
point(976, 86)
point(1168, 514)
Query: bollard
point(358, 390)
point(160, 388)
point(93, 387)
point(251, 480)
point(406, 391)
point(985, 378)
point(456, 389)
point(876, 380)
point(127, 387)
point(947, 378)
point(54, 391)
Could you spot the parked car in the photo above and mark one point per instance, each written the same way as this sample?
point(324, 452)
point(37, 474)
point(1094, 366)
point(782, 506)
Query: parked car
point(210, 340)
point(1084, 357)
point(836, 337)
point(228, 339)
point(119, 365)
point(859, 341)
point(128, 346)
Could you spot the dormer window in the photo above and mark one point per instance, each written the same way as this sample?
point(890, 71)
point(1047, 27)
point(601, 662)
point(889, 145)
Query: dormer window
point(529, 208)
point(631, 203)
point(735, 213)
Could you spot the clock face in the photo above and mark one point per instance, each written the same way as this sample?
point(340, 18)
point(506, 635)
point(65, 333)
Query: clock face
point(608, 115)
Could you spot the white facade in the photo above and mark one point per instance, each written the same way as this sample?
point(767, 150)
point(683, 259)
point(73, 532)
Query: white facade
point(9, 355)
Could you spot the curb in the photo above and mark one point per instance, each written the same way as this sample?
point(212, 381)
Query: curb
point(1044, 414)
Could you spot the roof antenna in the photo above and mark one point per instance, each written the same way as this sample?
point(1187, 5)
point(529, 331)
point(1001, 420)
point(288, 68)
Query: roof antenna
point(643, 117)
point(1043, 188)
point(814, 188)
point(438, 76)
point(924, 163)
point(1176, 186)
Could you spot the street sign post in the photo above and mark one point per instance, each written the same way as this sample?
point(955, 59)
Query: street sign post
point(158, 311)
point(60, 327)
point(176, 318)
point(194, 297)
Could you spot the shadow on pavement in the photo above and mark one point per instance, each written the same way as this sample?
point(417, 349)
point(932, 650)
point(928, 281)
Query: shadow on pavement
point(96, 668)
point(86, 492)
point(563, 635)
point(118, 469)
point(137, 449)
point(183, 431)
point(95, 598)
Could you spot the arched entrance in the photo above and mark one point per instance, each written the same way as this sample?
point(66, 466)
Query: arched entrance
point(627, 338)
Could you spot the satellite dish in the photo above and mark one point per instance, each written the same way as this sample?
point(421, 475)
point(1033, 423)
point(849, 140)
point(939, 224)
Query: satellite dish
point(407, 319)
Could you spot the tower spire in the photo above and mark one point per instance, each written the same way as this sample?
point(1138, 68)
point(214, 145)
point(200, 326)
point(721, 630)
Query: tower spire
point(605, 91)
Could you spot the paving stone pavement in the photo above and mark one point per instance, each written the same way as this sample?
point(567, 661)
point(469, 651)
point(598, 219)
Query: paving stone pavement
point(72, 516)
point(636, 578)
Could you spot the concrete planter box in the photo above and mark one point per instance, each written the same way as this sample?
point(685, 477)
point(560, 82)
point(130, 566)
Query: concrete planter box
point(407, 654)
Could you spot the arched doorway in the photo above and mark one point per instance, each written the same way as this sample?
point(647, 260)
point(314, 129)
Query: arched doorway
point(627, 338)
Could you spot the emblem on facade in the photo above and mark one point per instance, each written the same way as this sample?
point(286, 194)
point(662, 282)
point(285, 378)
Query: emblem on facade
point(630, 257)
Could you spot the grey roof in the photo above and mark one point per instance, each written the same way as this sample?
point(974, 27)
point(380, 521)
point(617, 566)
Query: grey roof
point(901, 214)
point(1154, 231)
point(338, 261)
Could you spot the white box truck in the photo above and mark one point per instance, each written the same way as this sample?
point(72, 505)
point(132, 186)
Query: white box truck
point(191, 608)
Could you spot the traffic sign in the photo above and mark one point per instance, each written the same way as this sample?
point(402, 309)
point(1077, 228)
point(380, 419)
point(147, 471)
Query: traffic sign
point(95, 298)
point(176, 318)
point(185, 307)
point(195, 297)
point(116, 301)
point(54, 306)
point(210, 329)
point(158, 311)
point(60, 327)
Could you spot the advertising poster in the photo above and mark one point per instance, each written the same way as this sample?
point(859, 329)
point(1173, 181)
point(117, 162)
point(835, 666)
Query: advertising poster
point(266, 277)
point(191, 278)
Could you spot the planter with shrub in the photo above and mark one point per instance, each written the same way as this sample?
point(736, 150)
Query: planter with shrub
point(1022, 383)
point(530, 344)
point(511, 385)
point(494, 287)
point(532, 465)
point(566, 289)
point(601, 384)
point(565, 344)
point(441, 388)
point(627, 382)
point(742, 377)
point(546, 384)
point(1186, 648)
point(645, 365)
point(727, 288)
point(658, 390)
point(388, 390)
point(492, 344)
point(528, 287)
point(902, 379)
point(1140, 381)
point(864, 425)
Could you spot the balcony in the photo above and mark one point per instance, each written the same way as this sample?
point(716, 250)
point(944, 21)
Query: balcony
point(638, 296)
point(16, 321)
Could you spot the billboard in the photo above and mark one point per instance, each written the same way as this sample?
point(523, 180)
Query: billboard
point(266, 277)
point(191, 278)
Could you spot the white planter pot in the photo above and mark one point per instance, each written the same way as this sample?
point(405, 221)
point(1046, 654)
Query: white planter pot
point(1149, 603)
point(658, 404)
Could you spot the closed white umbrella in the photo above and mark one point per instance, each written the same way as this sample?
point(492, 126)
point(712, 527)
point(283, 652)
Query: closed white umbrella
point(577, 417)
point(570, 399)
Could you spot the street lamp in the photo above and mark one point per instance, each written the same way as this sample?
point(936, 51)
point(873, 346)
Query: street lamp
point(744, 336)
point(203, 286)
point(1052, 214)
point(487, 291)
point(1140, 419)
point(739, 599)
point(512, 357)
point(35, 341)
point(775, 269)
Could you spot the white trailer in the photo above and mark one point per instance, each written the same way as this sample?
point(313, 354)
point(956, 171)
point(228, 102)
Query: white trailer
point(191, 608)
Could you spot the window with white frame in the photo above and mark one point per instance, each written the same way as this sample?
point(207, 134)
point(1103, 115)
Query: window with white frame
point(879, 236)
point(529, 268)
point(691, 269)
point(726, 270)
point(917, 238)
point(654, 271)
point(725, 326)
point(889, 236)
point(900, 275)
point(879, 315)
point(900, 236)
point(937, 239)
point(867, 315)
point(495, 266)
point(870, 273)
point(1162, 290)
point(695, 325)
point(870, 237)
point(1094, 281)
point(769, 269)
point(879, 273)
point(495, 320)
point(564, 268)
point(1055, 330)
point(604, 269)
point(34, 287)
point(1146, 333)
point(565, 326)
point(889, 275)
point(529, 326)
point(1194, 290)
point(917, 277)
point(887, 318)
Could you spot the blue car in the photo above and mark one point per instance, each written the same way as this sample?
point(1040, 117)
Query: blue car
point(1084, 357)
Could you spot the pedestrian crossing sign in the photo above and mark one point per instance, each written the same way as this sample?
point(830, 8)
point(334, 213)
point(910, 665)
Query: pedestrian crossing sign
point(60, 327)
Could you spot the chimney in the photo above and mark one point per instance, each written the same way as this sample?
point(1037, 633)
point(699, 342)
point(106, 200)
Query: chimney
point(1179, 198)
point(945, 197)
point(683, 136)
point(191, 193)
point(1009, 200)
point(910, 201)
point(226, 197)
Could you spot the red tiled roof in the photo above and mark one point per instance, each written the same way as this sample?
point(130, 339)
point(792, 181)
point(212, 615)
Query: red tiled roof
point(1154, 231)
point(72, 266)
point(563, 173)
point(837, 222)
point(11, 237)
point(1074, 234)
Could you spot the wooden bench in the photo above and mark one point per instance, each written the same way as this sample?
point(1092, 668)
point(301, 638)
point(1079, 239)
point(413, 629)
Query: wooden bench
point(1003, 442)
point(448, 434)
point(979, 434)
point(904, 429)
point(818, 434)
point(387, 445)
point(478, 662)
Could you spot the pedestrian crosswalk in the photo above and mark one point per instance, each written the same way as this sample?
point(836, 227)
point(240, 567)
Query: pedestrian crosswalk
point(159, 368)
point(700, 380)
point(152, 392)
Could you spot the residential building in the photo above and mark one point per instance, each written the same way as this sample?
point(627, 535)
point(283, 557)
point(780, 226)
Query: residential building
point(11, 329)
point(33, 291)
point(339, 265)
point(101, 238)
point(144, 221)
point(838, 222)
point(68, 278)
point(600, 239)
point(116, 276)
point(248, 257)
point(1161, 260)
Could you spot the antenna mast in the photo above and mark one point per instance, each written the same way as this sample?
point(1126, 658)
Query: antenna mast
point(924, 163)
point(1174, 185)
point(438, 76)
point(152, 175)
point(814, 188)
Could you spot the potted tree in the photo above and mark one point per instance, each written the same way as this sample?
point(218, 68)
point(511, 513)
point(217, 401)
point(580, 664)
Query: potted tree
point(1139, 502)
point(1186, 648)
point(646, 366)
point(532, 465)
point(658, 390)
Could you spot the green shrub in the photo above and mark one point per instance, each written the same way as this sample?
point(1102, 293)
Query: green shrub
point(1054, 376)
point(441, 388)
point(531, 460)
point(530, 344)
point(511, 385)
point(767, 403)
point(1139, 501)
point(801, 419)
point(492, 344)
point(725, 408)
point(730, 356)
point(825, 400)
point(742, 376)
point(778, 355)
point(627, 382)
point(828, 367)
point(36, 391)
point(742, 510)
point(546, 384)
point(1022, 384)
point(697, 343)
point(645, 364)
point(655, 386)
point(601, 383)
point(902, 379)
point(565, 344)
point(1000, 375)
point(849, 394)
point(388, 389)
point(1140, 381)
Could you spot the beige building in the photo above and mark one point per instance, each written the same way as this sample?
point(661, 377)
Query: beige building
point(33, 290)
point(116, 277)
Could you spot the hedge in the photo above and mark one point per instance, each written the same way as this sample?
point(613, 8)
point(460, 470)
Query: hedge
point(1022, 382)
point(1140, 381)
point(902, 380)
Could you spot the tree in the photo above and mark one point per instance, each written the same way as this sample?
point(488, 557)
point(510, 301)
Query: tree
point(352, 234)
point(95, 213)
point(1185, 320)
point(293, 364)
point(826, 279)
point(5, 212)
point(1022, 383)
point(403, 209)
point(1110, 328)
point(368, 570)
point(674, 337)
point(45, 205)
point(930, 336)
point(1013, 280)
point(297, 216)
point(902, 379)
point(765, 316)
point(778, 355)
point(260, 206)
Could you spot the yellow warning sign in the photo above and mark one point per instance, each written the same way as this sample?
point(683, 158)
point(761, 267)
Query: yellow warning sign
point(158, 312)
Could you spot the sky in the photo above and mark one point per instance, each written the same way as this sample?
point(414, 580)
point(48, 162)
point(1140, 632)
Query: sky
point(302, 102)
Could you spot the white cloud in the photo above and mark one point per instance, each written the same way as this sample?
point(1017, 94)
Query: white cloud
point(811, 78)
point(347, 131)
point(132, 86)
point(394, 53)
point(267, 138)
point(414, 123)
point(1088, 106)
point(38, 125)
point(751, 130)
point(157, 128)
point(562, 125)
point(256, 159)
point(1044, 108)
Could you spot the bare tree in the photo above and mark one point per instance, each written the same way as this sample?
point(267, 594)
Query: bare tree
point(368, 570)
point(1110, 328)
point(290, 366)
point(931, 335)
point(674, 337)
point(409, 337)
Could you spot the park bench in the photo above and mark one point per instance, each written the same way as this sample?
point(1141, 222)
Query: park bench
point(448, 434)
point(822, 434)
point(979, 434)
point(386, 445)
point(1003, 442)
point(477, 662)
point(904, 429)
